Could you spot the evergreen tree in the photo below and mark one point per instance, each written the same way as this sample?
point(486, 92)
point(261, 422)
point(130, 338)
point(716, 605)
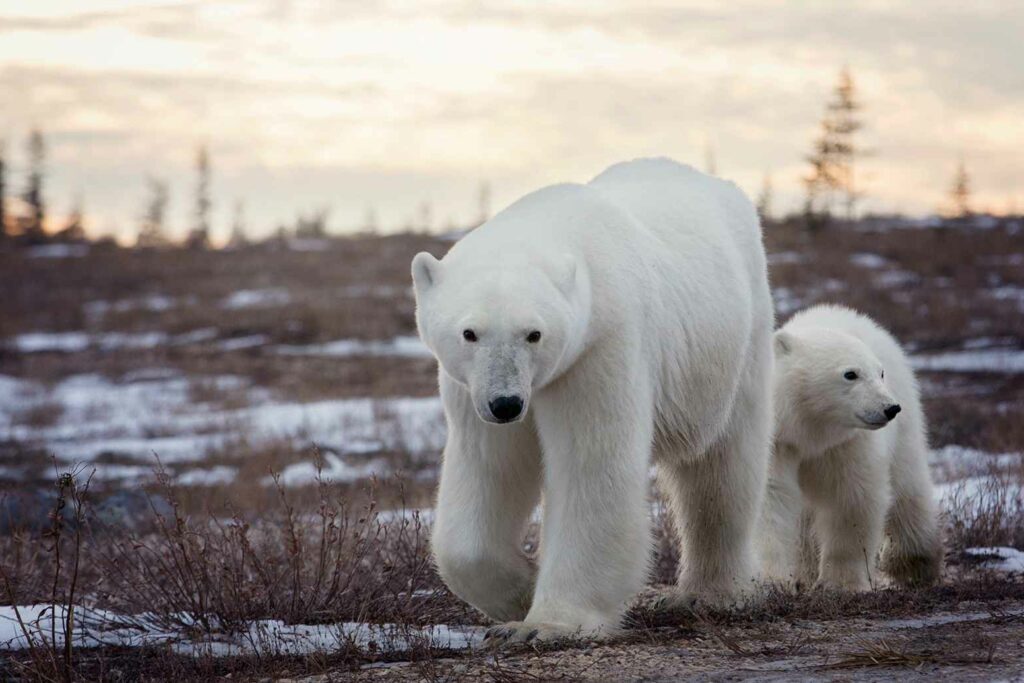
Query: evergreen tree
point(312, 225)
point(74, 227)
point(36, 218)
point(960, 193)
point(239, 237)
point(831, 181)
point(199, 238)
point(151, 230)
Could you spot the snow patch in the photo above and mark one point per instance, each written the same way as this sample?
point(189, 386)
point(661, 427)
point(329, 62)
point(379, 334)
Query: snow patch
point(334, 469)
point(403, 347)
point(257, 298)
point(96, 628)
point(207, 477)
point(72, 342)
point(59, 251)
point(999, 558)
point(240, 343)
point(991, 360)
point(954, 462)
point(149, 414)
point(786, 257)
point(868, 260)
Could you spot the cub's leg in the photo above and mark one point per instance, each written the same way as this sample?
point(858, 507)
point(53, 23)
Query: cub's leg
point(848, 489)
point(912, 555)
point(490, 483)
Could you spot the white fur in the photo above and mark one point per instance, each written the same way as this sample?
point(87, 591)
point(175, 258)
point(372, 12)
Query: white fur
point(649, 288)
point(860, 479)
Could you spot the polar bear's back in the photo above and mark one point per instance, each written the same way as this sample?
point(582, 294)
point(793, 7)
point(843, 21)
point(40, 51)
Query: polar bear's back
point(666, 195)
point(686, 208)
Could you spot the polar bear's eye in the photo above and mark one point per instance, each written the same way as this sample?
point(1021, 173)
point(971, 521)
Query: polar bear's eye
point(469, 335)
point(850, 375)
point(533, 337)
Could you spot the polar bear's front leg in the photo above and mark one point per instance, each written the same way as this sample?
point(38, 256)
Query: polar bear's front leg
point(849, 491)
point(490, 484)
point(595, 544)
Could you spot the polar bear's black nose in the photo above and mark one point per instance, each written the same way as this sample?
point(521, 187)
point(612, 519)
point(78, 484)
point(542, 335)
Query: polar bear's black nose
point(506, 408)
point(891, 411)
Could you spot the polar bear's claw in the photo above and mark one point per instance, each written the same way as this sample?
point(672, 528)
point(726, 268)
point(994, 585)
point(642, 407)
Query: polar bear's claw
point(527, 632)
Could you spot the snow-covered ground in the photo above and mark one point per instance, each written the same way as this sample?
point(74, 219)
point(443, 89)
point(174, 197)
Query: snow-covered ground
point(407, 346)
point(403, 346)
point(156, 413)
point(59, 251)
point(42, 625)
point(256, 298)
point(999, 558)
point(987, 360)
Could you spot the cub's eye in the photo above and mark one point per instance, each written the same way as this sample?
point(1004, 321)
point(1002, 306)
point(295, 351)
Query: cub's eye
point(883, 374)
point(850, 375)
point(533, 337)
point(469, 335)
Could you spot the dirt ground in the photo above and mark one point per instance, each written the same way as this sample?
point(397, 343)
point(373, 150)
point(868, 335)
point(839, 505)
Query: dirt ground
point(971, 642)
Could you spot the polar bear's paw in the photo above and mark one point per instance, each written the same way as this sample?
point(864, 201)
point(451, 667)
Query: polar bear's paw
point(914, 571)
point(532, 632)
point(690, 603)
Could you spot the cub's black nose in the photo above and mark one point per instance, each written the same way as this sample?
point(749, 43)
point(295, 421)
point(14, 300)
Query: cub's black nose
point(506, 408)
point(891, 411)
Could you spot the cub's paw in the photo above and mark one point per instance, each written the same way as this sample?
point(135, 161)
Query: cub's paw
point(843, 584)
point(684, 601)
point(675, 601)
point(914, 571)
point(532, 632)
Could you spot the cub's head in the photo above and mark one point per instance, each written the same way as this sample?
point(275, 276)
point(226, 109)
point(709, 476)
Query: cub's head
point(500, 330)
point(828, 381)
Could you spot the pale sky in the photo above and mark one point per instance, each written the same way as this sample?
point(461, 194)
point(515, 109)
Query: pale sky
point(351, 105)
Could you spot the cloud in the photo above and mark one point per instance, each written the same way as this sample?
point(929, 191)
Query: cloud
point(322, 95)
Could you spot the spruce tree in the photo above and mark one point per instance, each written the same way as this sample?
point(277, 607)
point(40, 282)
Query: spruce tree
point(960, 192)
point(36, 218)
point(831, 183)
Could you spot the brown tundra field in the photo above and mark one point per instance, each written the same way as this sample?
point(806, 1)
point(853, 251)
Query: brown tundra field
point(221, 463)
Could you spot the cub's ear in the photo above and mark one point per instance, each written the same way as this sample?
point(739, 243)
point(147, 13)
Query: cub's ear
point(784, 343)
point(425, 271)
point(565, 273)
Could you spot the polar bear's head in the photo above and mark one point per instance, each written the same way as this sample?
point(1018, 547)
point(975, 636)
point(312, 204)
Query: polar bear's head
point(827, 383)
point(500, 330)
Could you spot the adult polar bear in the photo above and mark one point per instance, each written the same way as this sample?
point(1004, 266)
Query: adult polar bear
point(581, 333)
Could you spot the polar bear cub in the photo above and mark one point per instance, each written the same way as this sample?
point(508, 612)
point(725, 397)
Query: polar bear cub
point(851, 458)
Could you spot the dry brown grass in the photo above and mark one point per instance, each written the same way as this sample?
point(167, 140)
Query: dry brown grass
point(233, 553)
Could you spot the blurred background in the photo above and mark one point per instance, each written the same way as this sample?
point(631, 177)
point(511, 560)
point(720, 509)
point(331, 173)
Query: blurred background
point(209, 209)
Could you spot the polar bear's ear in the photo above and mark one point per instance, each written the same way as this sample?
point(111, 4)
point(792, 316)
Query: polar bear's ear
point(425, 271)
point(565, 274)
point(784, 343)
